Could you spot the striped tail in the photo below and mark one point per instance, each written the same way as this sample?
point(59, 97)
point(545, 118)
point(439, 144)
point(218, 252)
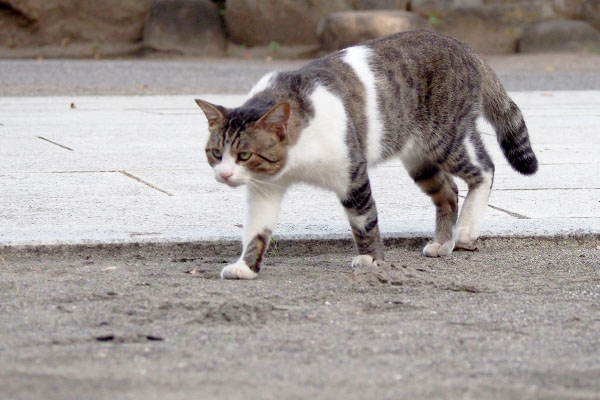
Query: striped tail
point(507, 120)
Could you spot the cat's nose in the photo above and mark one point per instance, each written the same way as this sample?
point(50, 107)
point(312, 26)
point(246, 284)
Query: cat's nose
point(225, 175)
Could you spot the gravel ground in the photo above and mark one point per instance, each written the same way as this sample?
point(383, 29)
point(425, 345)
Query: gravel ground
point(519, 318)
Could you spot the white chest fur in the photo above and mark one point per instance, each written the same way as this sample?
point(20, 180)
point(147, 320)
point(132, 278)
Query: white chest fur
point(320, 157)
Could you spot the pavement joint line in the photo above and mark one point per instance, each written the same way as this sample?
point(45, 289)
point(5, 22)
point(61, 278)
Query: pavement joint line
point(157, 109)
point(163, 113)
point(511, 213)
point(570, 218)
point(127, 174)
point(108, 171)
point(56, 144)
point(91, 171)
point(549, 188)
point(572, 163)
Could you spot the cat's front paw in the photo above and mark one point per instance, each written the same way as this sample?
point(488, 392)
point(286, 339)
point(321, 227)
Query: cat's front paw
point(364, 260)
point(435, 249)
point(466, 236)
point(239, 270)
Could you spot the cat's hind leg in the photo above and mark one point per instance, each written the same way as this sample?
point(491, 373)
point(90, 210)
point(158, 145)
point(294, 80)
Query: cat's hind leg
point(440, 186)
point(473, 209)
point(362, 215)
point(477, 170)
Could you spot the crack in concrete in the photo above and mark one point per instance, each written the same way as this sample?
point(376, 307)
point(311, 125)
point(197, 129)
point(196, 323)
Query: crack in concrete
point(511, 213)
point(91, 171)
point(56, 144)
point(164, 113)
point(150, 185)
point(572, 218)
point(559, 188)
point(98, 171)
point(568, 163)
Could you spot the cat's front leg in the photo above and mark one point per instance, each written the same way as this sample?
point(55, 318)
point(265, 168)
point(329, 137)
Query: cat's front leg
point(362, 214)
point(262, 210)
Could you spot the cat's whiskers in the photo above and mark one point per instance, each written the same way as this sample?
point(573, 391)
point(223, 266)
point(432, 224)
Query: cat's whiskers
point(262, 191)
point(266, 183)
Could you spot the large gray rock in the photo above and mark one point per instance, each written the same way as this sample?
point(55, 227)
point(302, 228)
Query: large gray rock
point(559, 35)
point(591, 12)
point(436, 9)
point(17, 29)
point(571, 9)
point(65, 21)
point(287, 22)
point(439, 8)
point(381, 4)
point(191, 27)
point(266, 52)
point(343, 29)
point(492, 28)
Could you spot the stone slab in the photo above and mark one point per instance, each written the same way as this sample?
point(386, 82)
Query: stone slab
point(133, 169)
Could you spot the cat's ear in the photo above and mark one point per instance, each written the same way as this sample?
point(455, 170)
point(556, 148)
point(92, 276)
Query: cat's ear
point(275, 120)
point(214, 114)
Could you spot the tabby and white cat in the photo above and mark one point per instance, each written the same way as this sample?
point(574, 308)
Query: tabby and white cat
point(413, 95)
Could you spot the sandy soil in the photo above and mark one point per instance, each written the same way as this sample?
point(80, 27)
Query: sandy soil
point(519, 318)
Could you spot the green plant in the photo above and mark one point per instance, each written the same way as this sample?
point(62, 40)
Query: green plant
point(434, 19)
point(274, 46)
point(273, 248)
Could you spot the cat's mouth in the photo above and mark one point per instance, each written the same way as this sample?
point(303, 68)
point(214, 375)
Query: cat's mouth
point(233, 184)
point(230, 182)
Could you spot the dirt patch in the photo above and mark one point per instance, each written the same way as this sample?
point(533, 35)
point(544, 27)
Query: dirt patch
point(384, 273)
point(518, 318)
point(236, 312)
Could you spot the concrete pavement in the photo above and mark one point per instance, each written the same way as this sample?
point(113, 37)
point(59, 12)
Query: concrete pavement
point(132, 169)
point(518, 72)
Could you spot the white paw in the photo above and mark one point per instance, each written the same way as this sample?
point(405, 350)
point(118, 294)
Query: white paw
point(465, 236)
point(431, 249)
point(364, 260)
point(435, 249)
point(239, 270)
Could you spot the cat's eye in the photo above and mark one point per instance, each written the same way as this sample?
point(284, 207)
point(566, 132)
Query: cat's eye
point(244, 155)
point(217, 153)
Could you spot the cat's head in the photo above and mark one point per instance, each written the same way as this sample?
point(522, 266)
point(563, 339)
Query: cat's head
point(247, 143)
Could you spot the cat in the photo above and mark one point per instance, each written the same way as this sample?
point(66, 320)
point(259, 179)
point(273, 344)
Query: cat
point(413, 95)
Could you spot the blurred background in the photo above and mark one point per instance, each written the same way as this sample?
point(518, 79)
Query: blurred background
point(160, 47)
point(285, 29)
